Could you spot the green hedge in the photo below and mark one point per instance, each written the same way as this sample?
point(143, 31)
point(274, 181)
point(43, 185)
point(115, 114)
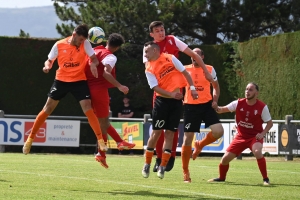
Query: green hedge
point(272, 62)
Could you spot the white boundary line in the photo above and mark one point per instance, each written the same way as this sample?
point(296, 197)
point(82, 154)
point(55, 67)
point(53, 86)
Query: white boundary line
point(122, 183)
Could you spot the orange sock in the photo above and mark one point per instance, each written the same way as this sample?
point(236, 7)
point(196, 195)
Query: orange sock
point(94, 123)
point(148, 156)
point(165, 159)
point(39, 120)
point(209, 138)
point(186, 153)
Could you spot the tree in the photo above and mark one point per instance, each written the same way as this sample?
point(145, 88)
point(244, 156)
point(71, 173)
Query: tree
point(248, 19)
point(194, 21)
point(130, 18)
point(23, 34)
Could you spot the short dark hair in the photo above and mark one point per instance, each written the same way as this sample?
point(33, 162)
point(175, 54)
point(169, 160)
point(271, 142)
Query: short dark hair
point(255, 85)
point(201, 51)
point(115, 40)
point(155, 24)
point(82, 30)
point(151, 43)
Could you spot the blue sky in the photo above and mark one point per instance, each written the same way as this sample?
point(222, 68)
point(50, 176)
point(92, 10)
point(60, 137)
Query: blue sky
point(24, 3)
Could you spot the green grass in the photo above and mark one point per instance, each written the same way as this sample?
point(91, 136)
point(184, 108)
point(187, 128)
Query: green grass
point(54, 176)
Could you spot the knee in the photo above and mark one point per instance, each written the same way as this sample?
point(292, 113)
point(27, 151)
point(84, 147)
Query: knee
point(188, 139)
point(217, 131)
point(257, 153)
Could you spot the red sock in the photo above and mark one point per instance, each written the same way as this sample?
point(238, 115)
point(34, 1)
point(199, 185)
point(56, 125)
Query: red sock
point(102, 153)
point(223, 169)
point(40, 119)
point(114, 134)
point(160, 144)
point(262, 165)
point(186, 153)
point(94, 123)
point(174, 145)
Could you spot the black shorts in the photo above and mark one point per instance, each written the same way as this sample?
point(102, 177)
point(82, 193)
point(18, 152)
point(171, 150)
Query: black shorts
point(78, 89)
point(194, 114)
point(166, 113)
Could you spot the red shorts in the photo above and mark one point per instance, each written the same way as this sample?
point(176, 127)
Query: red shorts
point(239, 144)
point(100, 101)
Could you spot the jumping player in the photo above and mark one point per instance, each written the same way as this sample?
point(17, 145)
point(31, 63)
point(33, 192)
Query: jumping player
point(70, 77)
point(99, 91)
point(171, 45)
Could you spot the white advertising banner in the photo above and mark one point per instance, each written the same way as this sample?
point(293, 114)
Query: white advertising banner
point(219, 146)
point(270, 140)
point(63, 133)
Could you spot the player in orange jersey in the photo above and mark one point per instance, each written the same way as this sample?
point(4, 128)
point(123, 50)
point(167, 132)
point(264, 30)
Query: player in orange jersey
point(165, 75)
point(198, 110)
point(71, 55)
point(251, 113)
point(171, 45)
point(99, 90)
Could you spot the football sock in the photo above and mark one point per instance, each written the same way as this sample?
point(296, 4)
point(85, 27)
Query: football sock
point(113, 133)
point(174, 145)
point(94, 123)
point(186, 153)
point(209, 138)
point(223, 169)
point(165, 158)
point(148, 156)
point(40, 119)
point(262, 165)
point(159, 144)
point(102, 153)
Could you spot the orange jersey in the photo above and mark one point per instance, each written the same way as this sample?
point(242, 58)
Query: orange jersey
point(168, 77)
point(71, 61)
point(201, 84)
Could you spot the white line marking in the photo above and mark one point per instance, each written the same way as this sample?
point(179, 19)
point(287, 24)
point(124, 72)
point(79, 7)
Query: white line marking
point(122, 183)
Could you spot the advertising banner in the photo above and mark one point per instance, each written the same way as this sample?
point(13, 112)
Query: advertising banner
point(129, 131)
point(270, 144)
point(218, 146)
point(289, 136)
point(64, 133)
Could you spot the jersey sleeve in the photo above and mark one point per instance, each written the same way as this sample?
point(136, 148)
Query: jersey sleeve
point(152, 81)
point(214, 74)
point(109, 60)
point(232, 106)
point(88, 48)
point(265, 115)
point(178, 65)
point(181, 45)
point(53, 53)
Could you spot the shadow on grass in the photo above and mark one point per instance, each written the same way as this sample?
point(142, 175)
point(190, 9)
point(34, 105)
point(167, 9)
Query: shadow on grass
point(258, 184)
point(1, 180)
point(166, 196)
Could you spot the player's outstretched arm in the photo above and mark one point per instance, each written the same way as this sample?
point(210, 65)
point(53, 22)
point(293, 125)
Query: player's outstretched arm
point(93, 65)
point(221, 109)
point(174, 95)
point(200, 62)
point(110, 78)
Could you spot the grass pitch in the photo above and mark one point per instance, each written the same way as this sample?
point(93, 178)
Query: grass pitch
point(57, 176)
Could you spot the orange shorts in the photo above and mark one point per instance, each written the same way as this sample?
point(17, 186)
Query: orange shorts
point(100, 101)
point(239, 144)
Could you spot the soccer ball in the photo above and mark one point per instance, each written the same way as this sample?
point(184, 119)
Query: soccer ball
point(96, 35)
